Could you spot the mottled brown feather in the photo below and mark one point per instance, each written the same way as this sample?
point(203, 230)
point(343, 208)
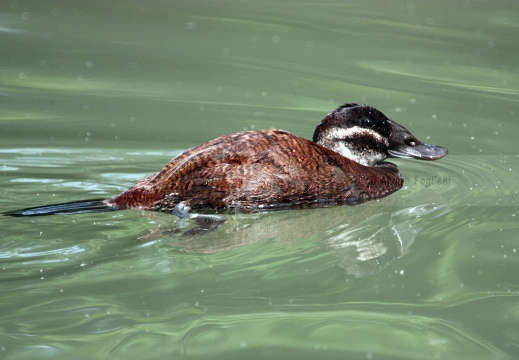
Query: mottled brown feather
point(264, 169)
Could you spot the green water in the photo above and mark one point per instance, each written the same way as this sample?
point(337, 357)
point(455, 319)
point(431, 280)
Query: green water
point(98, 94)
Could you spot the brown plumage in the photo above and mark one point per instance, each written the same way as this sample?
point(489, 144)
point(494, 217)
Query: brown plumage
point(263, 169)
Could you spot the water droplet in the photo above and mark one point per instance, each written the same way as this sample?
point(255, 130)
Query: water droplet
point(190, 25)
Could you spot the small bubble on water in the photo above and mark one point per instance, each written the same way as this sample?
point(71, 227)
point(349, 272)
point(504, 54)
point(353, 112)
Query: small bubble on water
point(190, 25)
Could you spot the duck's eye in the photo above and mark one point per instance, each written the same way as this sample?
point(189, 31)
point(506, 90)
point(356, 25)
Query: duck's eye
point(369, 123)
point(411, 142)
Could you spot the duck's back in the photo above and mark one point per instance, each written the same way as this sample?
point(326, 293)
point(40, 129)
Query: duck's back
point(263, 169)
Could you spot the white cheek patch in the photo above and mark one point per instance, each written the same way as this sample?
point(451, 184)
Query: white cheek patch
point(346, 133)
point(337, 140)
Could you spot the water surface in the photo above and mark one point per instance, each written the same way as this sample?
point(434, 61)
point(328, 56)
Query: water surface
point(97, 95)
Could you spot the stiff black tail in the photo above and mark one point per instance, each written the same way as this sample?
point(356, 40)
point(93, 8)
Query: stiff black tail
point(75, 207)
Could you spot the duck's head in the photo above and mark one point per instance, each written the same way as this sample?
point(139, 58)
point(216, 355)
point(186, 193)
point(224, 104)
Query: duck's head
point(365, 135)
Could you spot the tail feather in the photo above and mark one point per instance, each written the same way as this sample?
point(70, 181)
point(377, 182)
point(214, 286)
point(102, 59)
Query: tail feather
point(75, 207)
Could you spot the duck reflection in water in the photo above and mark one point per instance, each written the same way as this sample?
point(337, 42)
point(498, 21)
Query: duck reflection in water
point(363, 240)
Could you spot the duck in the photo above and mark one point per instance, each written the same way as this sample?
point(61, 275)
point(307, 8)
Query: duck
point(274, 169)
